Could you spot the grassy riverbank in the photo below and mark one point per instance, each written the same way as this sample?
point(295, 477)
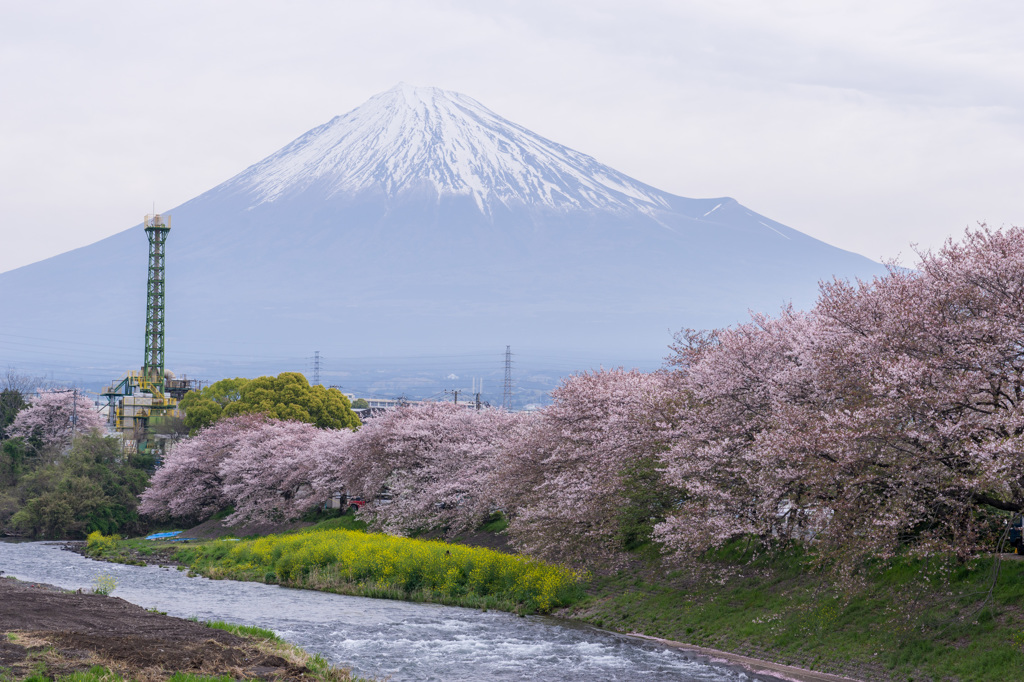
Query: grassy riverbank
point(374, 565)
point(898, 620)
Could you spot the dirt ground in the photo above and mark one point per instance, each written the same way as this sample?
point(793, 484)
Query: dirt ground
point(211, 530)
point(63, 632)
point(496, 541)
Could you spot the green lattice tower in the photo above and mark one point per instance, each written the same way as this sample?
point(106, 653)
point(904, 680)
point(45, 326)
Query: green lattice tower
point(157, 228)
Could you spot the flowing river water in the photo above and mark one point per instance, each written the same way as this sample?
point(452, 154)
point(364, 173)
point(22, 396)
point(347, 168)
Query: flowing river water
point(379, 637)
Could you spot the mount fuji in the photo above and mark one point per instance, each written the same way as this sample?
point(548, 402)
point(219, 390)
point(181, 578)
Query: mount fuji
point(419, 224)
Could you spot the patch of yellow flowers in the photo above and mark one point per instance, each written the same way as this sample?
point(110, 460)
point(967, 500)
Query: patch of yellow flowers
point(98, 544)
point(411, 565)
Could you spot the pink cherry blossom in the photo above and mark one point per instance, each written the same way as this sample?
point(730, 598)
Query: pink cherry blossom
point(54, 415)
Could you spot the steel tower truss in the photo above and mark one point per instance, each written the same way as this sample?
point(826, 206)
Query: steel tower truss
point(153, 366)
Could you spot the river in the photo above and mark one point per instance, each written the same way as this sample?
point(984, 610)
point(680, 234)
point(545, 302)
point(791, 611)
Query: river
point(379, 637)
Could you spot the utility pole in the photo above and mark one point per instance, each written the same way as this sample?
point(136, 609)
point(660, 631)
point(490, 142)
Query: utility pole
point(478, 400)
point(455, 393)
point(74, 414)
point(506, 400)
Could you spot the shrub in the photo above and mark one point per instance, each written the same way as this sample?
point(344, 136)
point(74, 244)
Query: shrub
point(98, 544)
point(104, 584)
point(396, 566)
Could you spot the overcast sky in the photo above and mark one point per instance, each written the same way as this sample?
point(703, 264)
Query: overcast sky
point(870, 125)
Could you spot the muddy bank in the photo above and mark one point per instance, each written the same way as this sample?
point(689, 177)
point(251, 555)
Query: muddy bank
point(65, 632)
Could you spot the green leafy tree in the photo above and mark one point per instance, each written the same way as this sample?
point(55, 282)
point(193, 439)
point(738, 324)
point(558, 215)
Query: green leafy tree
point(13, 453)
point(360, 404)
point(286, 396)
point(204, 407)
point(96, 487)
point(11, 402)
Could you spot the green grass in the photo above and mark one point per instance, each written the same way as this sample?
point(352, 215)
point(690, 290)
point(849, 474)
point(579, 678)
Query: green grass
point(495, 523)
point(244, 630)
point(904, 619)
point(346, 521)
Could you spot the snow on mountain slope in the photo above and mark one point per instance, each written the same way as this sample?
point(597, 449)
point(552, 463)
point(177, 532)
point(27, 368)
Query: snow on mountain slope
point(421, 223)
point(408, 136)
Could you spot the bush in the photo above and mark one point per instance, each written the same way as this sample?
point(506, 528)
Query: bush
point(104, 584)
point(395, 566)
point(98, 544)
point(94, 488)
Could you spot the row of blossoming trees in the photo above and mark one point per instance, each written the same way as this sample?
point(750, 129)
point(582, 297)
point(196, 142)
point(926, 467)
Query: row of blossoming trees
point(889, 415)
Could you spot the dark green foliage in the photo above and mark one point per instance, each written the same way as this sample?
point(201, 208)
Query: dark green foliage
point(286, 396)
point(13, 453)
point(494, 523)
point(648, 498)
point(94, 487)
point(11, 402)
point(360, 404)
point(200, 411)
point(204, 407)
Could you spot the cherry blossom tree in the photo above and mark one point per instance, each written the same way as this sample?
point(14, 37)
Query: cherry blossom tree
point(54, 416)
point(267, 474)
point(267, 469)
point(888, 416)
point(567, 480)
point(933, 437)
point(437, 462)
point(189, 484)
point(740, 389)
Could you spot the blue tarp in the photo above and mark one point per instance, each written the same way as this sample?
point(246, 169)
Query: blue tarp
point(165, 534)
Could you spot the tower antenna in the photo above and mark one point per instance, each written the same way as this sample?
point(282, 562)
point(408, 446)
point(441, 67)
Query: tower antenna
point(506, 400)
point(316, 368)
point(157, 228)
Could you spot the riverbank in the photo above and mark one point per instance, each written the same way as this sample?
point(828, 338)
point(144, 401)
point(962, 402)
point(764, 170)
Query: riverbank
point(899, 620)
point(56, 633)
point(139, 552)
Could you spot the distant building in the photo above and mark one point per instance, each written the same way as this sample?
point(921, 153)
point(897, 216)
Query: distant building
point(390, 403)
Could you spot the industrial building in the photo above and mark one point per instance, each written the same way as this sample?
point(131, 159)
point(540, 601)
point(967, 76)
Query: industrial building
point(139, 402)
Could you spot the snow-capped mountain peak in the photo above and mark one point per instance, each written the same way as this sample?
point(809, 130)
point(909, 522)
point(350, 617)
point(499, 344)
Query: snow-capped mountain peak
point(411, 138)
